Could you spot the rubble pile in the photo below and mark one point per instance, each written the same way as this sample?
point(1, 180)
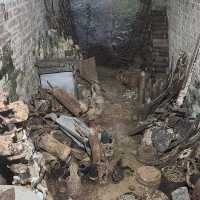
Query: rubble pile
point(36, 142)
point(54, 136)
point(71, 137)
point(22, 161)
point(148, 85)
point(170, 136)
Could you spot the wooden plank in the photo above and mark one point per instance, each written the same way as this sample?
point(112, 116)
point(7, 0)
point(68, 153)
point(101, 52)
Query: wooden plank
point(48, 66)
point(55, 62)
point(52, 70)
point(54, 147)
point(68, 101)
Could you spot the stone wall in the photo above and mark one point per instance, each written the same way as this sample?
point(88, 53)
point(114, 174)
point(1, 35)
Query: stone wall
point(159, 4)
point(21, 22)
point(184, 29)
point(106, 25)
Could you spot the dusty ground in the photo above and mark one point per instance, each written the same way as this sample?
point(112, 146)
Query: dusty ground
point(118, 119)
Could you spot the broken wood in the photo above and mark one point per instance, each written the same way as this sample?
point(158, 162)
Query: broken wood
point(140, 128)
point(68, 101)
point(54, 147)
point(56, 65)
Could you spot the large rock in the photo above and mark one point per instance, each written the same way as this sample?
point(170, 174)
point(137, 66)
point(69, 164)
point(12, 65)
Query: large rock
point(149, 176)
point(181, 194)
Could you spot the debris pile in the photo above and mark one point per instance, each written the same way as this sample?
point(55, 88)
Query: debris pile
point(21, 160)
point(146, 185)
point(148, 85)
point(55, 135)
point(71, 137)
point(36, 142)
point(170, 135)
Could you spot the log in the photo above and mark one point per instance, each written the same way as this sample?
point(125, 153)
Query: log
point(68, 101)
point(54, 147)
point(140, 128)
point(58, 62)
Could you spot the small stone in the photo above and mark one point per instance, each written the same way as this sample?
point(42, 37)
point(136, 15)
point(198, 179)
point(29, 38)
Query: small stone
point(131, 187)
point(149, 176)
point(181, 194)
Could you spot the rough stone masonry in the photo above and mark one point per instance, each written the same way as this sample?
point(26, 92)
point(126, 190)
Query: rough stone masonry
point(184, 30)
point(21, 22)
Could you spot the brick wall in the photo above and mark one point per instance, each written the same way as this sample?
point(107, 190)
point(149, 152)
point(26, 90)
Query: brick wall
point(21, 22)
point(184, 29)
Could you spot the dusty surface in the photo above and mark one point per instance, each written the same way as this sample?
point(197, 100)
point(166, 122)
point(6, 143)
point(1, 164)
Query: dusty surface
point(118, 119)
point(119, 114)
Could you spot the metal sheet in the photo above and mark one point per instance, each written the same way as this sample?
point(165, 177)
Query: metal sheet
point(63, 80)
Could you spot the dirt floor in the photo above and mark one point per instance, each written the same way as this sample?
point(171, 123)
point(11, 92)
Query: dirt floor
point(118, 119)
